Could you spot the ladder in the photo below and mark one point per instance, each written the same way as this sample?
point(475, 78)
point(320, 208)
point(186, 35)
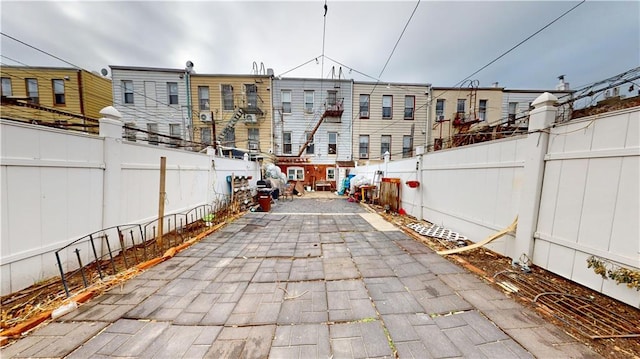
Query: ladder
point(239, 114)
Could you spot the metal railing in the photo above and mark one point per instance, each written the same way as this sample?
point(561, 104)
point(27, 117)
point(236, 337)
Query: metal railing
point(93, 257)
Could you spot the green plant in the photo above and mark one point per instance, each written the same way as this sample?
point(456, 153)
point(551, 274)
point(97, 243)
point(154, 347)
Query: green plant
point(608, 270)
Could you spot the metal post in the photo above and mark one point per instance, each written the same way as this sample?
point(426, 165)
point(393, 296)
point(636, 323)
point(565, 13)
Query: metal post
point(84, 278)
point(64, 281)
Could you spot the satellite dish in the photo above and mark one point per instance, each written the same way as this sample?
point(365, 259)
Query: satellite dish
point(189, 64)
point(104, 72)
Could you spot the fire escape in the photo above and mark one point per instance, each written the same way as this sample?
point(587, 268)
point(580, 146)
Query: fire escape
point(247, 109)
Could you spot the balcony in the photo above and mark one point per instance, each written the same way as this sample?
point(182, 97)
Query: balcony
point(333, 112)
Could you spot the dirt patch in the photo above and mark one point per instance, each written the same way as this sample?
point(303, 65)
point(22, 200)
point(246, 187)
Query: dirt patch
point(487, 264)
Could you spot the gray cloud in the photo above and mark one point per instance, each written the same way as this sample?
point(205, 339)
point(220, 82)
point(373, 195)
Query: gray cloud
point(444, 43)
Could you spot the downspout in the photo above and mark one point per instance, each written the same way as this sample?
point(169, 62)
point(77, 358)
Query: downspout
point(273, 116)
point(81, 95)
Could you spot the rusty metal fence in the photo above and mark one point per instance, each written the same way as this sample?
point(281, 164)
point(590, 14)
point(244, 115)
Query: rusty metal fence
point(98, 255)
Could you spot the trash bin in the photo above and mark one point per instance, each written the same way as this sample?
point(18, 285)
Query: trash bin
point(264, 199)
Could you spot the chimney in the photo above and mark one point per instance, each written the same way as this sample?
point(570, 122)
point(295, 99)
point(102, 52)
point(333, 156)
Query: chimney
point(562, 85)
point(494, 85)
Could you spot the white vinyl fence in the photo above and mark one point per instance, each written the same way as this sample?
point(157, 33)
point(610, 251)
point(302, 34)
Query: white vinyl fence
point(575, 188)
point(57, 186)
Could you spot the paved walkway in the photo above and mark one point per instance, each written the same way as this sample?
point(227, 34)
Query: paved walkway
point(313, 278)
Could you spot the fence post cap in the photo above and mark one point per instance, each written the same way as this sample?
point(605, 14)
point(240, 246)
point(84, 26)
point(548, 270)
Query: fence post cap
point(111, 113)
point(546, 98)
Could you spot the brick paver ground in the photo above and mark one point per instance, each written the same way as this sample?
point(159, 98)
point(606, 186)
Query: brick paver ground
point(315, 278)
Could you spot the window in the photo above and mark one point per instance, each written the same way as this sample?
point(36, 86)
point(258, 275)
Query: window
point(439, 110)
point(130, 132)
point(286, 143)
point(364, 106)
point(461, 106)
point(363, 149)
point(385, 145)
point(205, 136)
point(253, 135)
point(172, 90)
point(387, 100)
point(6, 87)
point(251, 91)
point(32, 90)
point(513, 107)
point(150, 98)
point(407, 146)
point(331, 174)
point(230, 137)
point(332, 97)
point(308, 101)
point(152, 135)
point(409, 106)
point(127, 87)
point(286, 101)
point(58, 92)
point(333, 143)
point(482, 110)
point(227, 98)
point(295, 173)
point(203, 98)
point(174, 131)
point(310, 147)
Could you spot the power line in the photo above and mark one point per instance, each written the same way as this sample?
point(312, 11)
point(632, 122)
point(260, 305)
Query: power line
point(37, 49)
point(520, 43)
point(399, 38)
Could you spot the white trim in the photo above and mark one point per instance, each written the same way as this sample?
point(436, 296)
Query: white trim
point(632, 262)
point(19, 162)
point(464, 166)
point(618, 152)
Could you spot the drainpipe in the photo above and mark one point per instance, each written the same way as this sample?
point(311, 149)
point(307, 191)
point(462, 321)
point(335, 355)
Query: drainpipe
point(428, 124)
point(188, 71)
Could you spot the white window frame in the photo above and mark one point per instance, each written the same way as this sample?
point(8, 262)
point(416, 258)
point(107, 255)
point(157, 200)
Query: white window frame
point(32, 89)
point(364, 105)
point(286, 143)
point(285, 96)
point(385, 146)
point(58, 92)
point(482, 110)
point(295, 174)
point(331, 174)
point(226, 92)
point(411, 108)
point(332, 144)
point(203, 98)
point(127, 92)
point(364, 145)
point(152, 135)
point(172, 93)
point(7, 89)
point(407, 149)
point(440, 108)
point(309, 99)
point(310, 146)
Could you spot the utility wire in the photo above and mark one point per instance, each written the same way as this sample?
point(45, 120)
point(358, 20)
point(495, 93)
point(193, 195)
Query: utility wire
point(520, 43)
point(37, 49)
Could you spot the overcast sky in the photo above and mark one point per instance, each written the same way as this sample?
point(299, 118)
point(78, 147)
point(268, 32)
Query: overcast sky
point(443, 44)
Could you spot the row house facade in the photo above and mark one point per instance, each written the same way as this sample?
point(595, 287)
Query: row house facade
point(58, 96)
point(456, 108)
point(234, 111)
point(389, 118)
point(153, 102)
point(312, 124)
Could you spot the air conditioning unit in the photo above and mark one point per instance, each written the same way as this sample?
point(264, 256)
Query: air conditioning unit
point(250, 118)
point(205, 116)
point(253, 147)
point(364, 114)
point(364, 155)
point(440, 118)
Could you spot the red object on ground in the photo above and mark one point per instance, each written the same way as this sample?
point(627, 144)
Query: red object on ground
point(402, 212)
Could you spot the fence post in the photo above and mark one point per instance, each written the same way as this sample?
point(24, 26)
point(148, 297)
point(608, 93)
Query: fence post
point(540, 118)
point(111, 132)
